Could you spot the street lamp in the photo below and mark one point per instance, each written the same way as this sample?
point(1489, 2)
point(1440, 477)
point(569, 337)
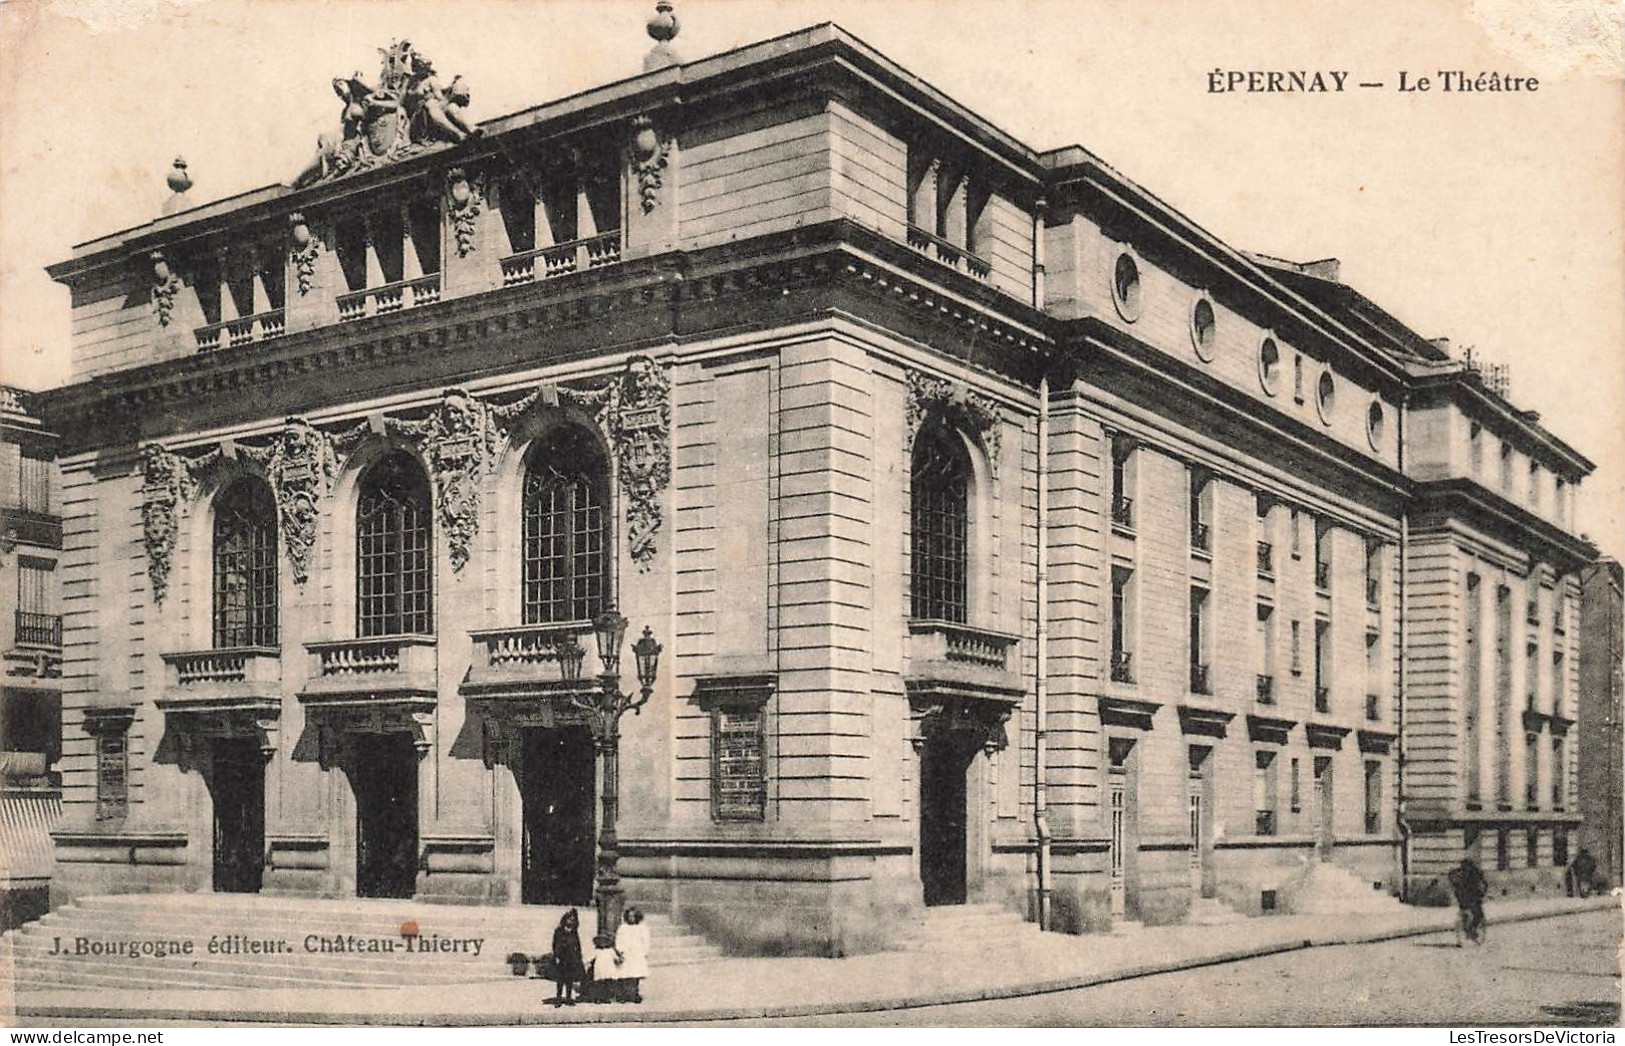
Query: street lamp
point(604, 709)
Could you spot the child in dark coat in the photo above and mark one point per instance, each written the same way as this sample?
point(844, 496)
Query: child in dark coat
point(568, 969)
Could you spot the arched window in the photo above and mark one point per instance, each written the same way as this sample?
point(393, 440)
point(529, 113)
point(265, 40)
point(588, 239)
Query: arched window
point(394, 550)
point(941, 525)
point(245, 595)
point(566, 530)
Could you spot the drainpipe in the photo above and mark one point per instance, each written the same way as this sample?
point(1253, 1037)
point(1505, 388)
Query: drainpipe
point(1041, 659)
point(1399, 721)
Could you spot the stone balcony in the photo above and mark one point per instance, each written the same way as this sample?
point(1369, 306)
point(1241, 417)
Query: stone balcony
point(228, 679)
point(954, 659)
point(948, 253)
point(562, 259)
point(244, 330)
point(389, 297)
point(521, 661)
point(397, 671)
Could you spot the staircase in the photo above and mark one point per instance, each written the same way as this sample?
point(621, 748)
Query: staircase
point(1329, 890)
point(295, 928)
point(963, 927)
point(1210, 911)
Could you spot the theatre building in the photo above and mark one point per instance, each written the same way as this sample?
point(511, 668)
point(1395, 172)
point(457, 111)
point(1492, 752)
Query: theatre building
point(1010, 539)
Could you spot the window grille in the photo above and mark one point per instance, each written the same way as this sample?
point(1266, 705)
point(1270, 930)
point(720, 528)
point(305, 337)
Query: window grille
point(245, 568)
point(394, 551)
point(112, 776)
point(34, 484)
point(941, 524)
point(565, 532)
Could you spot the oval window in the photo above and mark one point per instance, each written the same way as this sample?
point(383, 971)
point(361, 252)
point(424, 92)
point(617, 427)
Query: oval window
point(1269, 365)
point(1375, 423)
point(1204, 328)
point(1325, 395)
point(1126, 287)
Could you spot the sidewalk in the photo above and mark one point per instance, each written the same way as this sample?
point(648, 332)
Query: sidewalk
point(746, 989)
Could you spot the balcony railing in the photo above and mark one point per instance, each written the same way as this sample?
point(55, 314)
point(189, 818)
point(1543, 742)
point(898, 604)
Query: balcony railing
point(1201, 537)
point(245, 664)
point(953, 256)
point(1266, 689)
point(396, 670)
point(1373, 593)
point(1200, 684)
point(1122, 666)
point(39, 630)
point(1373, 822)
point(1123, 513)
point(1373, 707)
point(1264, 822)
point(390, 297)
point(1323, 576)
point(1323, 699)
point(262, 326)
point(561, 259)
point(948, 641)
point(1266, 559)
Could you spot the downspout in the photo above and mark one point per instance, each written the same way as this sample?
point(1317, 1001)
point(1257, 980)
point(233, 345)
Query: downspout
point(1041, 661)
point(1041, 638)
point(1399, 711)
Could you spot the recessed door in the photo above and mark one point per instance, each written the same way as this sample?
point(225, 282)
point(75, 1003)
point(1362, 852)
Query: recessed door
point(237, 785)
point(944, 838)
point(1117, 804)
point(386, 800)
point(558, 796)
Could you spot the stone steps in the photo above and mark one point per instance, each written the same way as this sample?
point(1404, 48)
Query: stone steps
point(1210, 911)
point(301, 924)
point(959, 927)
point(1330, 890)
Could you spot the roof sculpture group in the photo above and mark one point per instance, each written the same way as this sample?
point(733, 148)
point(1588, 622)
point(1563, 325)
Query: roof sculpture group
point(406, 112)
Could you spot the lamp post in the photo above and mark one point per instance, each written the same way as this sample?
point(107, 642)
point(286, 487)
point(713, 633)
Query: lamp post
point(604, 710)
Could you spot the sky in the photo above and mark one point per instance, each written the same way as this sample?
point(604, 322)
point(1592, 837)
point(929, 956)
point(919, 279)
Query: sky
point(1497, 220)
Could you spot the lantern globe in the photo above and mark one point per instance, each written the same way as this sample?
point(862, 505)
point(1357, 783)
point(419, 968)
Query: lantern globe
point(647, 652)
point(609, 629)
point(570, 654)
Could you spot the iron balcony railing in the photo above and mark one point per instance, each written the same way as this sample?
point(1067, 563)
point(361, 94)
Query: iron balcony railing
point(1201, 537)
point(1373, 707)
point(1323, 576)
point(1266, 559)
point(1266, 689)
point(1323, 699)
point(1264, 822)
point(1373, 593)
point(1123, 512)
point(1122, 666)
point(1373, 822)
point(1200, 683)
point(44, 630)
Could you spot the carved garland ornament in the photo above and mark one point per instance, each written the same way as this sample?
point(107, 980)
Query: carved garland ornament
point(165, 285)
point(304, 247)
point(639, 425)
point(957, 406)
point(465, 198)
point(167, 482)
point(649, 155)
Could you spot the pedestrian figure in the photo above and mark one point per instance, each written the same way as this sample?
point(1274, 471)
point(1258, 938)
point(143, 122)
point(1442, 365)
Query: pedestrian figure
point(604, 971)
point(1467, 882)
point(632, 944)
point(568, 970)
point(1582, 874)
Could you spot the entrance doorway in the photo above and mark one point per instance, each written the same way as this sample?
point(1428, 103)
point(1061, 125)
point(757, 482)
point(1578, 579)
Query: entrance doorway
point(1196, 789)
point(237, 782)
point(1120, 822)
point(944, 766)
point(558, 792)
point(385, 780)
point(1324, 826)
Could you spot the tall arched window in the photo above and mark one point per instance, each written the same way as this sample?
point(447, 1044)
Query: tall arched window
point(394, 550)
point(566, 530)
point(941, 525)
point(245, 594)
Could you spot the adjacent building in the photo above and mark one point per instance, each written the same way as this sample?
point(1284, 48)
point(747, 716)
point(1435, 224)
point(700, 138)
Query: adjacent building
point(1010, 538)
point(31, 642)
point(1602, 765)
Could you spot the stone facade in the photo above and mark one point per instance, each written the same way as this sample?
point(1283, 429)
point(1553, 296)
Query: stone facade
point(1199, 488)
point(1602, 691)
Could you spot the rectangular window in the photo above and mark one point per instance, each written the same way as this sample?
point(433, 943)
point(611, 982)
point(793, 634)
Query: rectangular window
point(1534, 485)
point(1531, 662)
point(1201, 511)
point(1503, 850)
point(1531, 771)
point(1560, 848)
point(738, 772)
point(1297, 648)
point(1559, 502)
point(1373, 797)
point(1559, 775)
point(1199, 660)
point(1373, 575)
point(1323, 556)
point(1373, 674)
point(1266, 654)
point(1295, 787)
point(1503, 696)
point(38, 623)
point(1264, 792)
point(1297, 534)
point(1475, 447)
point(1506, 469)
point(1122, 625)
point(1558, 682)
point(1531, 845)
point(34, 484)
point(112, 776)
point(1122, 484)
point(1323, 666)
point(1297, 377)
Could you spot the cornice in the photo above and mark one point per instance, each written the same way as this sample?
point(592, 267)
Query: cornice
point(1471, 502)
point(1464, 387)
